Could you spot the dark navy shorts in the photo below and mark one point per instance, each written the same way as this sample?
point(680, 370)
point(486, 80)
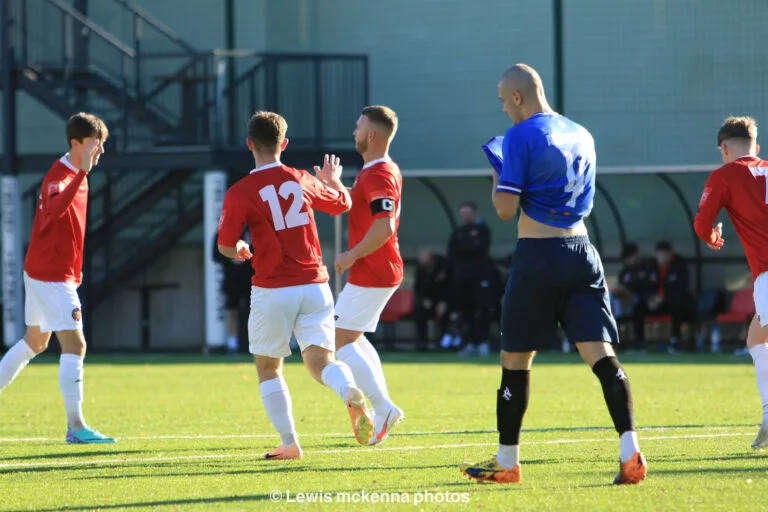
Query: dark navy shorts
point(555, 282)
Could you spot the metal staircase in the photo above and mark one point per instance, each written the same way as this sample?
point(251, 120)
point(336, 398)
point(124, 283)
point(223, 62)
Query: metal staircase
point(157, 93)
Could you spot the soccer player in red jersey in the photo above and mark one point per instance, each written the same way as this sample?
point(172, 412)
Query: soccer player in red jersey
point(376, 268)
point(53, 272)
point(289, 291)
point(739, 186)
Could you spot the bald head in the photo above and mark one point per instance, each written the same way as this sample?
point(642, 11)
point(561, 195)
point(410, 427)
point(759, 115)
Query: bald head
point(523, 78)
point(522, 92)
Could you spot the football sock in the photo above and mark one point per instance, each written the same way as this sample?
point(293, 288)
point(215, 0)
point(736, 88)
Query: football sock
point(71, 385)
point(367, 374)
point(511, 403)
point(628, 445)
point(277, 402)
point(337, 376)
point(760, 357)
point(14, 361)
point(617, 394)
point(508, 456)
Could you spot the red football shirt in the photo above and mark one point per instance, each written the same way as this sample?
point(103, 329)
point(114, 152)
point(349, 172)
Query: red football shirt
point(740, 188)
point(383, 268)
point(55, 252)
point(276, 202)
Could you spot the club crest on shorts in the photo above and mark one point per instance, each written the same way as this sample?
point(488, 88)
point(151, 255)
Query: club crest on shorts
point(76, 315)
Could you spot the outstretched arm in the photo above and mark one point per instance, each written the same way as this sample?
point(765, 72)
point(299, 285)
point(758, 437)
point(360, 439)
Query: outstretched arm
point(713, 199)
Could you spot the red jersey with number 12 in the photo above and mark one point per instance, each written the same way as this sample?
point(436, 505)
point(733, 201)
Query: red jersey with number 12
point(380, 180)
point(55, 252)
point(740, 188)
point(276, 202)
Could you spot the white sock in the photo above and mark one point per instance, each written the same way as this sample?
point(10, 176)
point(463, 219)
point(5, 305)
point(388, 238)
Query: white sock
point(14, 361)
point(71, 385)
point(277, 402)
point(369, 351)
point(760, 357)
point(337, 376)
point(233, 343)
point(508, 456)
point(370, 380)
point(628, 445)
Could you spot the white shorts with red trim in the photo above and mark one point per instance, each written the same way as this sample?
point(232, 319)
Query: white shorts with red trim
point(358, 308)
point(52, 307)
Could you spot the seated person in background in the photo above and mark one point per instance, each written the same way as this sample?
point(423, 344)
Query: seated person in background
point(671, 295)
point(634, 287)
point(237, 292)
point(431, 291)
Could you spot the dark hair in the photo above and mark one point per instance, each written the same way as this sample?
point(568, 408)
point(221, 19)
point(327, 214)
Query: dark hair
point(629, 249)
point(382, 116)
point(737, 128)
point(267, 130)
point(83, 125)
point(664, 246)
point(469, 204)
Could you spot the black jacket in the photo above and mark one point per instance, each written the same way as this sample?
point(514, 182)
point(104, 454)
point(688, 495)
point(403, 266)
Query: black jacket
point(640, 279)
point(676, 282)
point(468, 252)
point(433, 283)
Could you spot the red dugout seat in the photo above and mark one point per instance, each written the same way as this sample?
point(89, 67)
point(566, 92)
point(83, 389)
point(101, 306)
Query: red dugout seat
point(742, 308)
point(400, 305)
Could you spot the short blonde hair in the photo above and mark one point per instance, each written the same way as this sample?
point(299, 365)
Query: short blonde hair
point(744, 127)
point(382, 116)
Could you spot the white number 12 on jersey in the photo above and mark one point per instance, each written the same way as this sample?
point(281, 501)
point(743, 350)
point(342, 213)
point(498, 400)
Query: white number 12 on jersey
point(295, 217)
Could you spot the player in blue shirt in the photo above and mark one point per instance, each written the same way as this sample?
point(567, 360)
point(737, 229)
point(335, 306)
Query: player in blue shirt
point(556, 277)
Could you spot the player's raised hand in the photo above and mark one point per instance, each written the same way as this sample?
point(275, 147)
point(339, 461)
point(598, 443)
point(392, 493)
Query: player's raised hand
point(91, 150)
point(719, 241)
point(243, 251)
point(331, 168)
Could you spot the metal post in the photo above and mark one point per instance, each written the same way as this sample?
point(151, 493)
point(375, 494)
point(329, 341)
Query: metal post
point(338, 234)
point(230, 34)
point(13, 321)
point(80, 55)
point(559, 49)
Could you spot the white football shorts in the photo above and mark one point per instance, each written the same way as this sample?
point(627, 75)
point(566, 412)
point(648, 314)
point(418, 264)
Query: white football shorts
point(359, 308)
point(761, 298)
point(305, 310)
point(52, 306)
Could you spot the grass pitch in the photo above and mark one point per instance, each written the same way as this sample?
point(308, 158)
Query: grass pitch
point(192, 432)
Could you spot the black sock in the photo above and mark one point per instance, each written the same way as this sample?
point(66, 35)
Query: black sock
point(616, 391)
point(511, 403)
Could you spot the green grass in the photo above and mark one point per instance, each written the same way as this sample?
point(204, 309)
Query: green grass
point(192, 431)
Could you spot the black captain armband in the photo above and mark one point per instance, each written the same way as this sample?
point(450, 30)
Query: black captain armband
point(384, 204)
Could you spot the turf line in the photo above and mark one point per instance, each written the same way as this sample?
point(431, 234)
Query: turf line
point(397, 434)
point(357, 451)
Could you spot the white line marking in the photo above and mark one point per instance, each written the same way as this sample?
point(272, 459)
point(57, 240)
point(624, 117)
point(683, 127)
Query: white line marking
point(357, 451)
point(348, 434)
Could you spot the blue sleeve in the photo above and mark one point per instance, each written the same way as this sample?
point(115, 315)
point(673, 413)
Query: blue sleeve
point(513, 172)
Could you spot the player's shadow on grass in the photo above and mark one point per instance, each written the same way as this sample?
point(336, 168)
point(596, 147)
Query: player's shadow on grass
point(73, 455)
point(162, 503)
point(265, 468)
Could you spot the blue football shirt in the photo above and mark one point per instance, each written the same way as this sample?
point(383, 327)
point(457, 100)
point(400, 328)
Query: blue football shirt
point(550, 162)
